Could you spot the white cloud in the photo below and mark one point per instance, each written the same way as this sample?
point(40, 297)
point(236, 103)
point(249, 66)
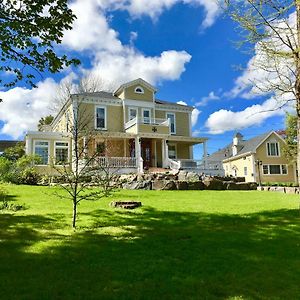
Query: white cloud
point(130, 64)
point(154, 8)
point(22, 107)
point(181, 103)
point(205, 100)
point(195, 114)
point(225, 120)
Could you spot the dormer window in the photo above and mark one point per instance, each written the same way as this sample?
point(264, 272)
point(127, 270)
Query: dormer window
point(139, 90)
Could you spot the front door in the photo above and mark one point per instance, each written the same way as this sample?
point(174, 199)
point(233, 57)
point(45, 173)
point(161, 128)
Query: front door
point(146, 152)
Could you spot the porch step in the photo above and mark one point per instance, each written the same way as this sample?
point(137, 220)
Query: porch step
point(158, 170)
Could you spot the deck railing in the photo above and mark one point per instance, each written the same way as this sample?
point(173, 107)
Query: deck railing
point(149, 121)
point(116, 162)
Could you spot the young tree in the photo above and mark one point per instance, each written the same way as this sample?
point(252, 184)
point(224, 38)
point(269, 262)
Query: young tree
point(90, 83)
point(28, 32)
point(273, 27)
point(85, 162)
point(14, 153)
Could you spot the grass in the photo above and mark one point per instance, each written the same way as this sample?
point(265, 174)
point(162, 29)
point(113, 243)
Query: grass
point(179, 245)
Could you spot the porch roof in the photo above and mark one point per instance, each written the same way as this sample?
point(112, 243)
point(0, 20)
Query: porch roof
point(173, 138)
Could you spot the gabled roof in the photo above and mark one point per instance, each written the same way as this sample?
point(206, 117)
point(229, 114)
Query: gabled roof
point(134, 82)
point(244, 147)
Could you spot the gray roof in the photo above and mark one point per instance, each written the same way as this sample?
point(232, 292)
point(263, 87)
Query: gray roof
point(244, 147)
point(102, 94)
point(110, 95)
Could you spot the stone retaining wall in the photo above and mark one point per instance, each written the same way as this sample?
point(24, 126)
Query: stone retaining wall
point(280, 189)
point(183, 180)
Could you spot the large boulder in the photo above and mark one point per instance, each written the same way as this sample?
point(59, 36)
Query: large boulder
point(163, 185)
point(182, 185)
point(181, 176)
point(214, 184)
point(196, 185)
point(252, 186)
point(192, 176)
point(138, 185)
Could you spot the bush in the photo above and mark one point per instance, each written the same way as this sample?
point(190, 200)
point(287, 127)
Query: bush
point(5, 169)
point(29, 176)
point(5, 204)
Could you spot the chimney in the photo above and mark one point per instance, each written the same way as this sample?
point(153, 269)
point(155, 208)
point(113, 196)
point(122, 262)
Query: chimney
point(236, 144)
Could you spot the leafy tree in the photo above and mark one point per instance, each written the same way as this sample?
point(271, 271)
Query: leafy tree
point(290, 149)
point(14, 153)
point(45, 121)
point(29, 30)
point(273, 27)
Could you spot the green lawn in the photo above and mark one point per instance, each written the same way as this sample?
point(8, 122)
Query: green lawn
point(179, 245)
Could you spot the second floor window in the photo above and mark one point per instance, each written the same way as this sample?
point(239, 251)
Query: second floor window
point(100, 118)
point(273, 149)
point(132, 113)
point(146, 116)
point(171, 117)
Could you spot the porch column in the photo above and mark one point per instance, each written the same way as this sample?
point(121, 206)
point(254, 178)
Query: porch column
point(125, 144)
point(139, 159)
point(204, 155)
point(165, 153)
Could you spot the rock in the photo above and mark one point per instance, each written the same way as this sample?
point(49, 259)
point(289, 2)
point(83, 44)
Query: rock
point(128, 177)
point(252, 186)
point(261, 188)
point(182, 176)
point(196, 185)
point(181, 185)
point(280, 189)
point(138, 185)
point(163, 185)
point(191, 176)
point(291, 190)
point(214, 184)
point(243, 186)
point(230, 185)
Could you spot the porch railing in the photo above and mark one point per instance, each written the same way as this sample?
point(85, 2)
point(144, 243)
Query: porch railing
point(116, 162)
point(149, 121)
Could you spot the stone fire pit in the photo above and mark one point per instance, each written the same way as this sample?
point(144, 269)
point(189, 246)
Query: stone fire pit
point(126, 204)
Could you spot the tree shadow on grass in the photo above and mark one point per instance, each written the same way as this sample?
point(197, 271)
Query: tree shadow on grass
point(150, 254)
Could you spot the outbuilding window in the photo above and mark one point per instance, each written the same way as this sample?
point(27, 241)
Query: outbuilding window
point(41, 149)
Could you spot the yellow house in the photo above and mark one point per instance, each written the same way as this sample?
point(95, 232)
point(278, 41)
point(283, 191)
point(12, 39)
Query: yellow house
point(259, 159)
point(130, 126)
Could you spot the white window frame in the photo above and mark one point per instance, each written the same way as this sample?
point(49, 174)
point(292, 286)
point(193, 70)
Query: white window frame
point(143, 118)
point(105, 117)
point(48, 148)
point(139, 87)
point(171, 144)
point(61, 147)
point(269, 174)
point(171, 113)
point(275, 142)
point(132, 108)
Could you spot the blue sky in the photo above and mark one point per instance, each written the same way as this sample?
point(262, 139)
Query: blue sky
point(185, 48)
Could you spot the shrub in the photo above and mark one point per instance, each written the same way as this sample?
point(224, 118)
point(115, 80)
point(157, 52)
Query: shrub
point(29, 176)
point(5, 168)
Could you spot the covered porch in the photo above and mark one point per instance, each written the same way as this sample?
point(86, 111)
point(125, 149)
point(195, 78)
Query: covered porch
point(145, 151)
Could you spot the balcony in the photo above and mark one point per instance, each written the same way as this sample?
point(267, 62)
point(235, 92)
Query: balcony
point(148, 125)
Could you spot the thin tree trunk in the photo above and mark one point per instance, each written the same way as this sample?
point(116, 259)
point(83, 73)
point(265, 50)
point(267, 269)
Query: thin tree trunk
point(297, 86)
point(74, 214)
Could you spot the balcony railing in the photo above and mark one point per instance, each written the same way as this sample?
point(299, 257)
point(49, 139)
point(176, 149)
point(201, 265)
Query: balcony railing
point(147, 121)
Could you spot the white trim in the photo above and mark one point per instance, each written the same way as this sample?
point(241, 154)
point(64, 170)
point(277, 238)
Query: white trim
point(171, 113)
point(262, 169)
point(141, 88)
point(139, 103)
point(171, 107)
point(105, 117)
point(278, 147)
point(134, 82)
point(48, 148)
